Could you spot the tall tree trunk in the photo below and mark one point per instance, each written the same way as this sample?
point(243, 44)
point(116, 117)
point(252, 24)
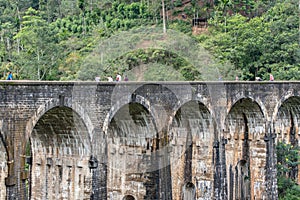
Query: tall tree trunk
point(164, 16)
point(38, 69)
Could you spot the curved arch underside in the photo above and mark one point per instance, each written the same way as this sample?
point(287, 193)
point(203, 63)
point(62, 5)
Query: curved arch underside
point(128, 197)
point(287, 128)
point(245, 150)
point(287, 121)
point(189, 191)
point(132, 153)
point(191, 138)
point(61, 130)
point(60, 150)
point(245, 109)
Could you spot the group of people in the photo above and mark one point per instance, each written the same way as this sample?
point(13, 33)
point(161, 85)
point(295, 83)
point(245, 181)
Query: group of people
point(110, 79)
point(119, 78)
point(259, 79)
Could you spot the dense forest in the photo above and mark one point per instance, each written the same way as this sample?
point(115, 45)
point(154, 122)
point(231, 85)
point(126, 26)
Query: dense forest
point(149, 39)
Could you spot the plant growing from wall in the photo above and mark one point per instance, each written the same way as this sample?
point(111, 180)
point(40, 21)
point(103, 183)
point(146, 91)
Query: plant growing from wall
point(288, 160)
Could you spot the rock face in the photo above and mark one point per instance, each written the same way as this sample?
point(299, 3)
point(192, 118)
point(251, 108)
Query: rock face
point(140, 140)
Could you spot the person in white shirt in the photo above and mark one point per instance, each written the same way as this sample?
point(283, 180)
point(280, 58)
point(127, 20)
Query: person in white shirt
point(110, 79)
point(118, 78)
point(97, 78)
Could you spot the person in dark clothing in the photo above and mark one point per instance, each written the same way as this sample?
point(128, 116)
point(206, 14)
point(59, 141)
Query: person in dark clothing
point(126, 78)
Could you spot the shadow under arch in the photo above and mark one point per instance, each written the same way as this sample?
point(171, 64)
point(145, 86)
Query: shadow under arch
point(77, 110)
point(287, 120)
point(131, 143)
point(286, 126)
point(123, 101)
point(192, 134)
point(163, 99)
point(158, 98)
point(283, 100)
point(128, 197)
point(188, 100)
point(245, 150)
point(257, 102)
point(61, 150)
point(189, 191)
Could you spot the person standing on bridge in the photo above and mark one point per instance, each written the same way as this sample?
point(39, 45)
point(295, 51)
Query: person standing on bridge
point(118, 78)
point(126, 78)
point(110, 79)
point(271, 77)
point(10, 76)
point(97, 78)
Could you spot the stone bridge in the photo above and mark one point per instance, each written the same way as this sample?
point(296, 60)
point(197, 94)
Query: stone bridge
point(143, 140)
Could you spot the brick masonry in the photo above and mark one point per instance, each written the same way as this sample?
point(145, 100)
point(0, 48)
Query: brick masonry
point(142, 140)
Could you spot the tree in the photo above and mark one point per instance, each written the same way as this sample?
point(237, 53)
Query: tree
point(258, 46)
point(164, 16)
point(39, 53)
point(287, 162)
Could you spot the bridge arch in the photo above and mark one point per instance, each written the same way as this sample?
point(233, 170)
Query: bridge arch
point(287, 128)
point(188, 98)
point(245, 149)
point(132, 148)
point(60, 147)
point(287, 120)
point(129, 197)
point(123, 101)
point(52, 103)
point(257, 101)
point(191, 135)
point(159, 109)
point(286, 96)
point(189, 191)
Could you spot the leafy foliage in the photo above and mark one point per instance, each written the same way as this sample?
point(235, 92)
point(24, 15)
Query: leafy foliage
point(288, 160)
point(37, 41)
point(52, 40)
point(260, 45)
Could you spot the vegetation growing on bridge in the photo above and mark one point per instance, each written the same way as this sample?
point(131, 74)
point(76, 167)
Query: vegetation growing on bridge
point(51, 40)
point(288, 160)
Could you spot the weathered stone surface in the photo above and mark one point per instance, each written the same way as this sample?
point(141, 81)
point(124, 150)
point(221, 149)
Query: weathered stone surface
point(136, 140)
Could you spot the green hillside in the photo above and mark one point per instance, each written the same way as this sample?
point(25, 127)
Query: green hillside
point(78, 40)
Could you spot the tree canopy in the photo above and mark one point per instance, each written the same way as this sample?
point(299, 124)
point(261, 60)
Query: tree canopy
point(61, 40)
